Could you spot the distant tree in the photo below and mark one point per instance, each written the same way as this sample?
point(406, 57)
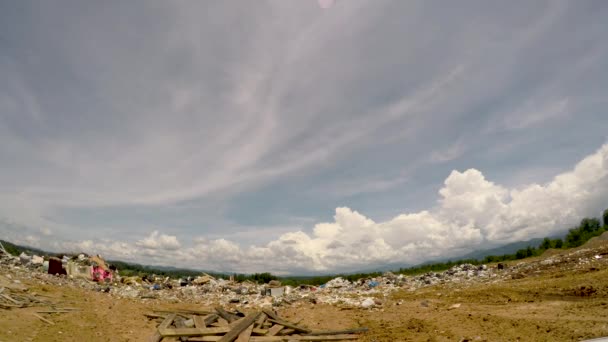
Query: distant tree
point(263, 277)
point(558, 243)
point(530, 251)
point(605, 218)
point(573, 238)
point(490, 258)
point(589, 225)
point(546, 244)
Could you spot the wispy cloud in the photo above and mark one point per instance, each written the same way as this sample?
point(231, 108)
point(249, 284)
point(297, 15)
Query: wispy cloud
point(451, 152)
point(472, 212)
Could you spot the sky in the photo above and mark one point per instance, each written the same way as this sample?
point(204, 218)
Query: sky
point(296, 137)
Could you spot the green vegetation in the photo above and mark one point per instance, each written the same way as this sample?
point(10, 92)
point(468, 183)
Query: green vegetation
point(16, 250)
point(577, 236)
point(131, 269)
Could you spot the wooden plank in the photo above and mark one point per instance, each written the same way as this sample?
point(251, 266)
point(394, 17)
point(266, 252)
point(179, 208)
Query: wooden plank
point(59, 311)
point(337, 332)
point(236, 322)
point(258, 331)
point(271, 314)
point(226, 315)
point(204, 339)
point(157, 337)
point(245, 335)
point(303, 338)
point(238, 329)
point(168, 321)
point(275, 330)
point(290, 325)
point(199, 321)
point(286, 332)
point(167, 332)
point(260, 321)
point(43, 319)
point(185, 311)
point(9, 298)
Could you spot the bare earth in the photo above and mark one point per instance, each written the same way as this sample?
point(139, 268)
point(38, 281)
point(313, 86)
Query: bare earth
point(565, 301)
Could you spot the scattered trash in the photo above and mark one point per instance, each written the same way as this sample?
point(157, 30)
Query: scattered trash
point(37, 260)
point(95, 274)
point(367, 303)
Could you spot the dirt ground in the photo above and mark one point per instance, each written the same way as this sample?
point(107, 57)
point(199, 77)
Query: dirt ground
point(565, 302)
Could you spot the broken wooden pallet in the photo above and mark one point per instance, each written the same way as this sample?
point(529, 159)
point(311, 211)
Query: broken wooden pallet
point(224, 326)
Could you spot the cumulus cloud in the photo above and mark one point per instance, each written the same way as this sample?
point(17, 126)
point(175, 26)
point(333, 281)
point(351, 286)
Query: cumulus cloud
point(472, 212)
point(159, 241)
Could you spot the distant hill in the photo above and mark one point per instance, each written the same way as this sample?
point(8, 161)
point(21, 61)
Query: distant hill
point(478, 255)
point(16, 249)
point(502, 250)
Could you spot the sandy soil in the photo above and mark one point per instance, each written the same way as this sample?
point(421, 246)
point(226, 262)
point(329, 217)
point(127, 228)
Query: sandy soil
point(565, 302)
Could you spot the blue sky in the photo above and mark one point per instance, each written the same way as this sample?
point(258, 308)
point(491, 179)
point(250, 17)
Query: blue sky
point(294, 137)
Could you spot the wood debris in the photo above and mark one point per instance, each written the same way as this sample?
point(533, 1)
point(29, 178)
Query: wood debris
point(16, 298)
point(258, 326)
point(43, 319)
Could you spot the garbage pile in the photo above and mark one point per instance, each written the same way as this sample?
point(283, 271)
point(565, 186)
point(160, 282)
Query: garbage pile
point(222, 325)
point(365, 292)
point(93, 273)
point(81, 266)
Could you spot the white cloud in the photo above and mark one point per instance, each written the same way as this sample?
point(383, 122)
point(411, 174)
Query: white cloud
point(159, 241)
point(472, 212)
point(291, 93)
